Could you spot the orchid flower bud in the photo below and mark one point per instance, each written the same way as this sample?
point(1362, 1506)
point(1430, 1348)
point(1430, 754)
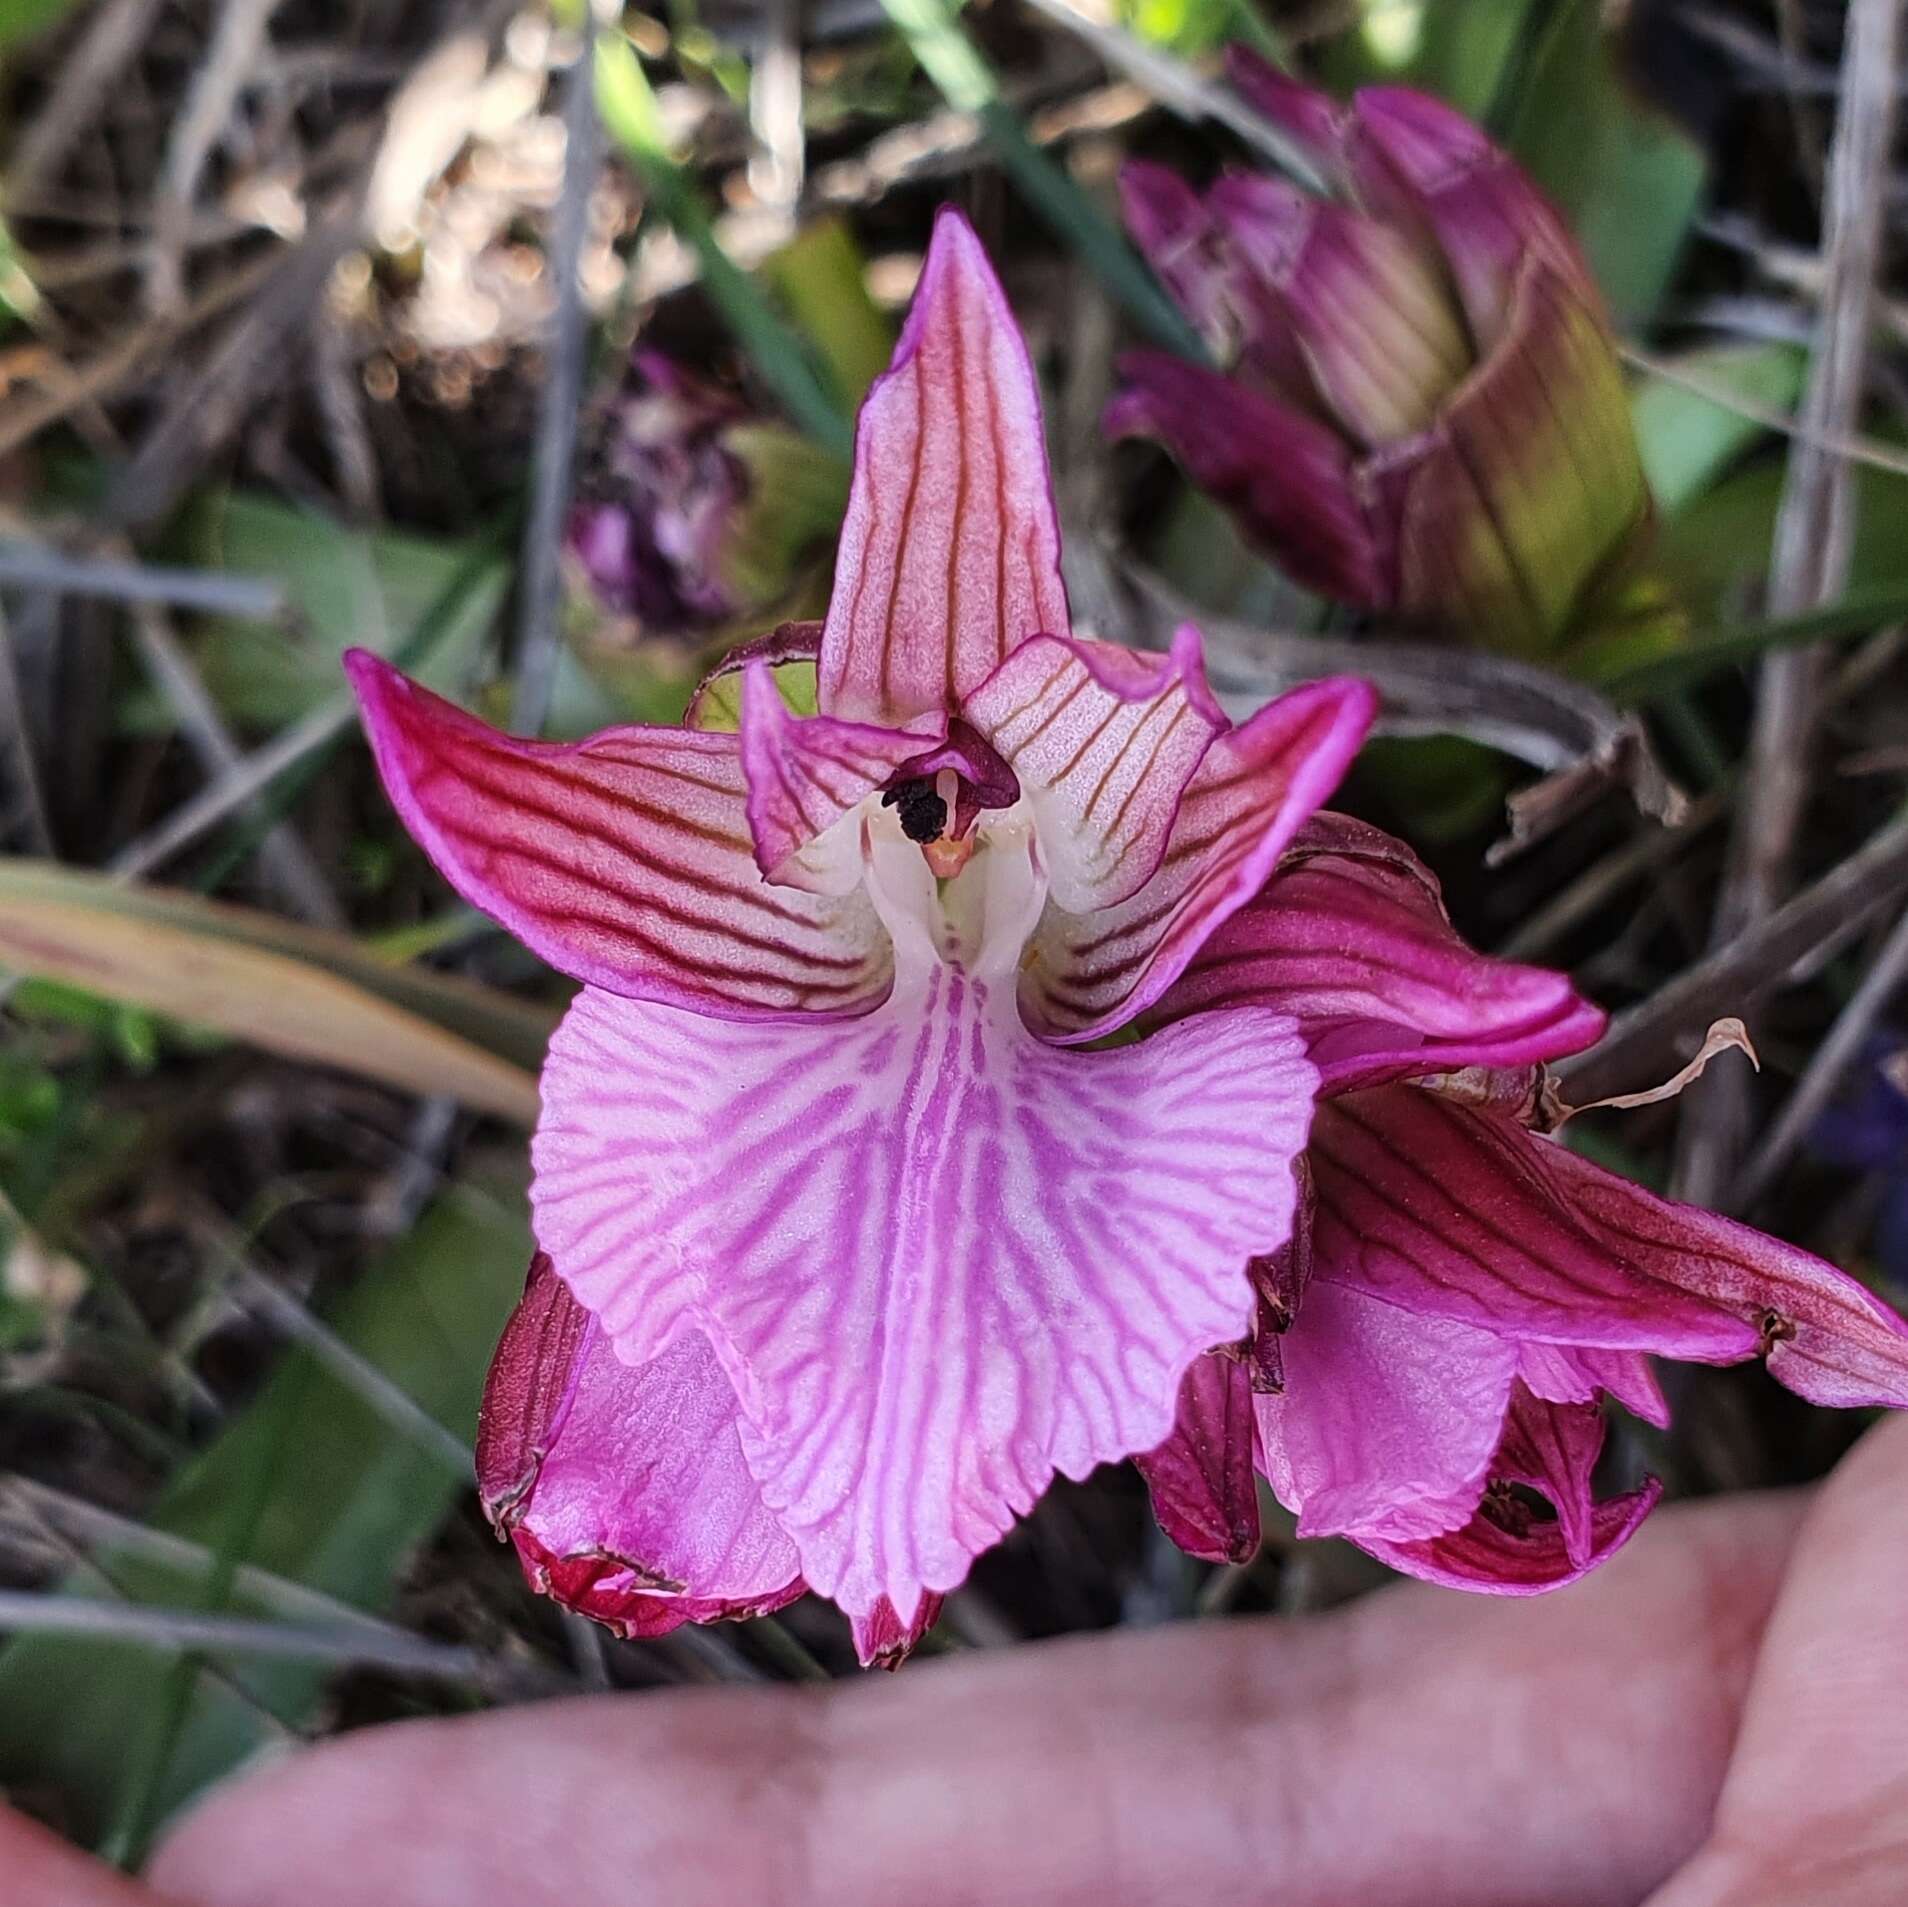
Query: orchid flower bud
point(1422, 411)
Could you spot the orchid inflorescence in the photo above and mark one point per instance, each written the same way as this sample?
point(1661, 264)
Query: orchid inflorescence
point(856, 1226)
point(1420, 408)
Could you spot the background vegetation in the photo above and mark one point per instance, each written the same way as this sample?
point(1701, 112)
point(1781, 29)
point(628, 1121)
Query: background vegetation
point(312, 317)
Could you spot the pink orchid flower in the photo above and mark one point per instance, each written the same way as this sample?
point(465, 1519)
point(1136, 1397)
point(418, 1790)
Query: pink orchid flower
point(1461, 1290)
point(854, 1231)
point(849, 1246)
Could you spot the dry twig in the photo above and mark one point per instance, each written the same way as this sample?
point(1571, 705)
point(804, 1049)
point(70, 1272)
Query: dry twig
point(539, 586)
point(1800, 934)
point(1813, 540)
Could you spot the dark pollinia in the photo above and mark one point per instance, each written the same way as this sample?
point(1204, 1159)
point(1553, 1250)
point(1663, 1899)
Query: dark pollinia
point(923, 812)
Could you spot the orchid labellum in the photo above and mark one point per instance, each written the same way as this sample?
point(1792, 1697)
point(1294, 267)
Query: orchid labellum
point(855, 1230)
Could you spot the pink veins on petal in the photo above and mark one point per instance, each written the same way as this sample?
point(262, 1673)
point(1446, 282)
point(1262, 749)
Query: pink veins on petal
point(861, 1254)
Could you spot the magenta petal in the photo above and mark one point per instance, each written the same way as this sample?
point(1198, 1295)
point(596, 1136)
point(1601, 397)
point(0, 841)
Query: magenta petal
point(1485, 213)
point(1303, 113)
point(1554, 1448)
point(1169, 223)
point(884, 1641)
point(939, 1259)
point(1201, 1477)
point(804, 774)
point(1286, 477)
point(624, 1489)
point(1577, 1373)
point(1351, 938)
point(1460, 1213)
point(1264, 224)
point(1367, 307)
point(625, 860)
point(1509, 1556)
point(1388, 1421)
point(1103, 741)
point(1254, 788)
point(1824, 1334)
point(950, 552)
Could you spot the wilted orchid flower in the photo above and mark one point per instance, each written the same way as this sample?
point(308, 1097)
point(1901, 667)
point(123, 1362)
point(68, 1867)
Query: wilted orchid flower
point(693, 513)
point(848, 1245)
point(649, 529)
point(1460, 1288)
point(1422, 410)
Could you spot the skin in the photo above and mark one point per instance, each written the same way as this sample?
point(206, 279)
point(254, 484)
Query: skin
point(1718, 1719)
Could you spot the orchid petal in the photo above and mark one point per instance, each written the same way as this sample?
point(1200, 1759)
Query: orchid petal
point(1554, 1448)
point(1366, 307)
point(1201, 1477)
point(625, 860)
point(950, 552)
point(1252, 791)
point(1506, 512)
point(884, 1641)
point(1306, 114)
point(624, 1489)
point(804, 774)
point(1513, 1556)
point(1103, 741)
point(1388, 1421)
point(1351, 938)
point(1169, 224)
point(1456, 1212)
point(1483, 210)
point(1285, 476)
point(1260, 223)
point(939, 1260)
point(1576, 1373)
point(1459, 1213)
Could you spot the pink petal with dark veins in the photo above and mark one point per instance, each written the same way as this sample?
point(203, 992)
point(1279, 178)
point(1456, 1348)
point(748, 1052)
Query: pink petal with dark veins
point(625, 860)
point(950, 552)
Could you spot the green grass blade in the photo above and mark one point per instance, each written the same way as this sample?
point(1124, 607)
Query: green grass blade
point(629, 112)
point(1705, 656)
point(951, 61)
point(350, 1500)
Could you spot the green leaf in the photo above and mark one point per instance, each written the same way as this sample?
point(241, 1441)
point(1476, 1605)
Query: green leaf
point(1628, 178)
point(1191, 28)
point(305, 992)
point(628, 106)
point(1715, 552)
point(821, 277)
point(718, 703)
point(24, 19)
point(1732, 646)
point(1457, 49)
point(1688, 440)
point(345, 588)
point(967, 83)
point(346, 1500)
